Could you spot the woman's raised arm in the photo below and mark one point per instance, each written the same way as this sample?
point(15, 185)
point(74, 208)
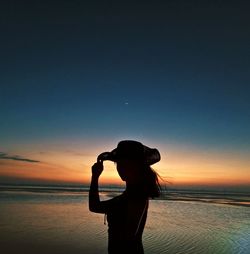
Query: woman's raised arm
point(95, 205)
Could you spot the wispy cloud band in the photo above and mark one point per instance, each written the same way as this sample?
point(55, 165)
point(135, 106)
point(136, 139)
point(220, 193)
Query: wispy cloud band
point(5, 156)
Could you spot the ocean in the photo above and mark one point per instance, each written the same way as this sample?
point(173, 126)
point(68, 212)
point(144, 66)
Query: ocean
point(36, 219)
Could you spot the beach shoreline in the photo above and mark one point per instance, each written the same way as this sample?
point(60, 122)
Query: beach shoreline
point(185, 195)
point(59, 221)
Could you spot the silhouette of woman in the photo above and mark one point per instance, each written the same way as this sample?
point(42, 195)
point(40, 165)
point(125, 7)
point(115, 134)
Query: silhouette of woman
point(127, 213)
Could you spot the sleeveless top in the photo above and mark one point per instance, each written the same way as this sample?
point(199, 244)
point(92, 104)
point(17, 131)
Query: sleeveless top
point(119, 240)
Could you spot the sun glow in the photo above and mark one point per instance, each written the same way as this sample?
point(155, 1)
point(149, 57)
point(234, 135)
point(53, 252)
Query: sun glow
point(178, 167)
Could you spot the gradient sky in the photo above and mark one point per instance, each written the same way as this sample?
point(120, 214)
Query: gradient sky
point(76, 78)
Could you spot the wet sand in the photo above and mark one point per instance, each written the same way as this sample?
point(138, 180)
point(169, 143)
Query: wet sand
point(59, 222)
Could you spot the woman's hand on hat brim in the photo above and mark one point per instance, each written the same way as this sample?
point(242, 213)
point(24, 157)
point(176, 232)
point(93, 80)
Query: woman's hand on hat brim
point(104, 156)
point(97, 169)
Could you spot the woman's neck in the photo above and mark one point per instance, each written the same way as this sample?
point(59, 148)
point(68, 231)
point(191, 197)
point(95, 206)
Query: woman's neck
point(135, 189)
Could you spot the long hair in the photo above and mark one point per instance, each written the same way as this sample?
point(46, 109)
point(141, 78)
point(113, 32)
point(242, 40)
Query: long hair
point(150, 182)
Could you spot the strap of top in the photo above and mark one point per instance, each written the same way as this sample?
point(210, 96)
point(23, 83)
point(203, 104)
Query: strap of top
point(139, 223)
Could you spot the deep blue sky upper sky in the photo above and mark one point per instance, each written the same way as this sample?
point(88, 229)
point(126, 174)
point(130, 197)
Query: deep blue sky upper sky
point(171, 72)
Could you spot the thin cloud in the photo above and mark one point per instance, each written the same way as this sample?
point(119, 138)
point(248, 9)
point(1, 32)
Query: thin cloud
point(5, 156)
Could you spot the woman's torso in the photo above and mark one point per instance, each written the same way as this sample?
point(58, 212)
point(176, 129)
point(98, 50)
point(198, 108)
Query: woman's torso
point(124, 237)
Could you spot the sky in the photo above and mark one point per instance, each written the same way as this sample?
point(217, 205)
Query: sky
point(78, 77)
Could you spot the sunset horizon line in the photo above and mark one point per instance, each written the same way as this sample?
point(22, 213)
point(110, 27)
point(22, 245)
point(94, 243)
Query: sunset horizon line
point(165, 186)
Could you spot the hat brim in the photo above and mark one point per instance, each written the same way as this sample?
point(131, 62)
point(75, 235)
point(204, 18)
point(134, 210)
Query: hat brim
point(150, 155)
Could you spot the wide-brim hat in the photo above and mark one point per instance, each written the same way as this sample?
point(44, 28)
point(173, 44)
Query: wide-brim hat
point(132, 150)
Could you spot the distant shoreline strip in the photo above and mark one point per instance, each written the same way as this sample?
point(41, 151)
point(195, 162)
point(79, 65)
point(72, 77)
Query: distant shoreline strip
point(236, 199)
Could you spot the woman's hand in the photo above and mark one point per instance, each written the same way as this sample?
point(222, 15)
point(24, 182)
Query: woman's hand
point(97, 169)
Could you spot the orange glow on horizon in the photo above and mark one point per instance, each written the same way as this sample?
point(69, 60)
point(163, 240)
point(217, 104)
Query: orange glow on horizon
point(179, 167)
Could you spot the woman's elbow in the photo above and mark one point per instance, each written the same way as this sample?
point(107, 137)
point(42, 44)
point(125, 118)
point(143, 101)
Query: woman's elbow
point(94, 208)
point(91, 208)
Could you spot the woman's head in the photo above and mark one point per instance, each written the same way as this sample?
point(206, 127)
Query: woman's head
point(133, 161)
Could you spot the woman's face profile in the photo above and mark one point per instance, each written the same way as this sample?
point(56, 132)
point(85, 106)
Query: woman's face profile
point(128, 170)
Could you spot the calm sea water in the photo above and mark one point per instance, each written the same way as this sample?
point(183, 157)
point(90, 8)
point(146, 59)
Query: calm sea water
point(39, 220)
